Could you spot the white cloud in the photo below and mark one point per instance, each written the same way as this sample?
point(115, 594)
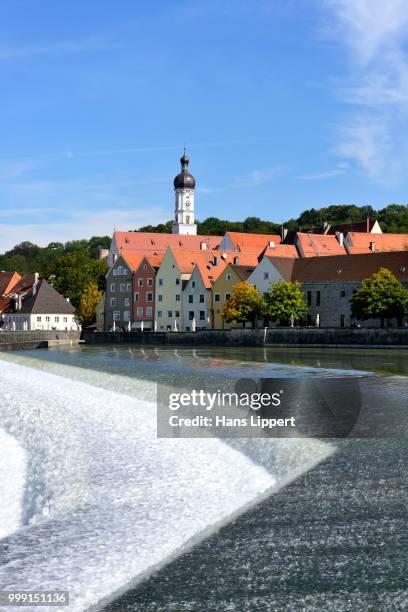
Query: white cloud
point(369, 27)
point(254, 178)
point(340, 169)
point(373, 34)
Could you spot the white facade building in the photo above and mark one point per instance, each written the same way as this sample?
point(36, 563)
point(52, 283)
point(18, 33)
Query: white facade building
point(196, 302)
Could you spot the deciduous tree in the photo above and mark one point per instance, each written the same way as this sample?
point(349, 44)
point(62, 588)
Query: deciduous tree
point(284, 302)
point(90, 298)
point(245, 304)
point(381, 296)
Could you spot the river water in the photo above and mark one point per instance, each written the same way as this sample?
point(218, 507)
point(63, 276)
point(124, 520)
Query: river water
point(97, 505)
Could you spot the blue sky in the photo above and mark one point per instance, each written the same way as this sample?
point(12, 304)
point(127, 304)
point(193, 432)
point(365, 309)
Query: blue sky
point(284, 105)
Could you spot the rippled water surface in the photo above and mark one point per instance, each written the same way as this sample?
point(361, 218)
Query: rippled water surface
point(129, 522)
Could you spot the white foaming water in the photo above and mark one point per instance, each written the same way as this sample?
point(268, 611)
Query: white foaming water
point(12, 480)
point(104, 500)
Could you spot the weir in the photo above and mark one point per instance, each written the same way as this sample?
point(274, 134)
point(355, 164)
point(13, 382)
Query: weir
point(103, 501)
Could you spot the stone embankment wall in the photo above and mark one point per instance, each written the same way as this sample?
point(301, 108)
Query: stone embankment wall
point(275, 336)
point(18, 340)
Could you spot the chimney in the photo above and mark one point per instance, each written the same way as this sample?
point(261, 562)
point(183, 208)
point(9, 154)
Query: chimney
point(217, 260)
point(15, 303)
point(35, 283)
point(224, 256)
point(368, 225)
point(236, 259)
point(340, 238)
point(203, 246)
point(372, 247)
point(284, 233)
point(271, 244)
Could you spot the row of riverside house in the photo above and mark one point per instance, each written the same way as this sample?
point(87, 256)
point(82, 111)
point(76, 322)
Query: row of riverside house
point(181, 281)
point(162, 282)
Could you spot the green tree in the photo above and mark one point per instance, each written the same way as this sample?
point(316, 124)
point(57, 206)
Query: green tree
point(284, 302)
point(74, 271)
point(244, 305)
point(88, 302)
point(381, 296)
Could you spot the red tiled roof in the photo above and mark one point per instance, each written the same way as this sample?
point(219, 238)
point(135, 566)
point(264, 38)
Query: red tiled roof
point(145, 242)
point(357, 242)
point(350, 268)
point(252, 242)
point(7, 281)
point(318, 245)
point(281, 250)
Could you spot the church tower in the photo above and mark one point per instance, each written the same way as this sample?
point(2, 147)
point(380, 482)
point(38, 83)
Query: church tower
point(184, 186)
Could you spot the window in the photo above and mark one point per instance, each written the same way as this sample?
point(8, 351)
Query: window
point(128, 287)
point(139, 311)
point(150, 282)
point(144, 266)
point(38, 319)
point(135, 296)
point(126, 315)
point(228, 277)
point(113, 287)
point(217, 297)
point(127, 302)
point(193, 284)
point(191, 299)
point(115, 272)
point(342, 293)
point(309, 298)
point(177, 297)
point(122, 287)
point(140, 282)
point(342, 320)
point(160, 282)
point(160, 298)
point(191, 315)
point(125, 271)
point(227, 296)
point(120, 270)
point(266, 275)
point(116, 315)
point(47, 319)
point(65, 319)
point(149, 311)
point(201, 298)
point(56, 319)
point(317, 298)
point(149, 297)
point(170, 314)
point(177, 281)
point(159, 314)
point(113, 301)
point(177, 314)
point(202, 315)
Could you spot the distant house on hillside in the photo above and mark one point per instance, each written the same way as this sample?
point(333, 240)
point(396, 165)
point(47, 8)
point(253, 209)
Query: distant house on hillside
point(33, 304)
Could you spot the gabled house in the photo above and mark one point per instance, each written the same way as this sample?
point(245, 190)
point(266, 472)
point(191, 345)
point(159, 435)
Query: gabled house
point(271, 270)
point(222, 289)
point(144, 290)
point(118, 294)
point(34, 304)
point(171, 278)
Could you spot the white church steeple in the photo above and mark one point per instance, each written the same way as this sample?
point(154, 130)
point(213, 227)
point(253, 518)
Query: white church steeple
point(184, 186)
